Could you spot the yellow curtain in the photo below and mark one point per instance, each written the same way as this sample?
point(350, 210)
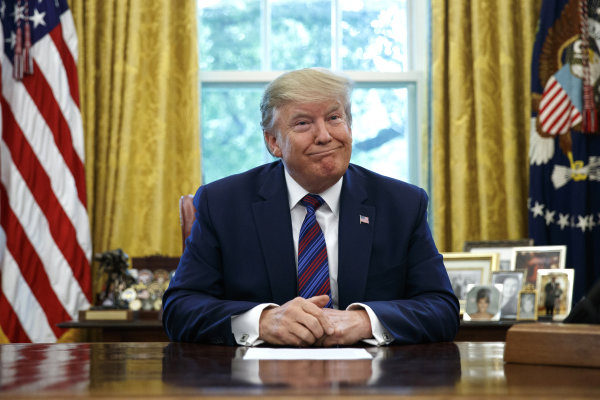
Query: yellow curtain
point(481, 58)
point(138, 74)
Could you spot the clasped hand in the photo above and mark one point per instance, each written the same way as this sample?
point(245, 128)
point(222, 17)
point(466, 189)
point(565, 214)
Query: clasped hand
point(304, 322)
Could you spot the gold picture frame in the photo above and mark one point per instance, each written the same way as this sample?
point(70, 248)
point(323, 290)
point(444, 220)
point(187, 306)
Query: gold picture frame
point(469, 268)
point(527, 306)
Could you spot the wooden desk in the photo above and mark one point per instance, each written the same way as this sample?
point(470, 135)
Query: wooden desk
point(139, 330)
point(161, 370)
point(483, 331)
point(151, 330)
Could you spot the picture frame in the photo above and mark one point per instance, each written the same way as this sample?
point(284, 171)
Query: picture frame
point(527, 307)
point(512, 284)
point(502, 247)
point(483, 302)
point(469, 268)
point(533, 258)
point(562, 292)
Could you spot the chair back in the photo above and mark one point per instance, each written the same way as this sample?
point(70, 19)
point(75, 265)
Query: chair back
point(187, 215)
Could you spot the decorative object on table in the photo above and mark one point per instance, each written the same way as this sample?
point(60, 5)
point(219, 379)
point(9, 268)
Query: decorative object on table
point(146, 294)
point(483, 302)
point(527, 307)
point(128, 292)
point(555, 293)
point(468, 268)
point(512, 283)
point(504, 248)
point(533, 258)
point(111, 304)
point(115, 265)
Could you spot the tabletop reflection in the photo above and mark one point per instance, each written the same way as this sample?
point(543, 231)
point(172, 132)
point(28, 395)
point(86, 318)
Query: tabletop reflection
point(142, 370)
point(188, 365)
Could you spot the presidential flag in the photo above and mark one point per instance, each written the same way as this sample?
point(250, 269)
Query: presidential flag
point(564, 154)
point(45, 265)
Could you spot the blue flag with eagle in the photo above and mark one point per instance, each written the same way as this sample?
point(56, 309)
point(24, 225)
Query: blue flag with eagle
point(564, 153)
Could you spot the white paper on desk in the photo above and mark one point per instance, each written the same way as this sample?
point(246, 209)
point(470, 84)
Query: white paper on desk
point(264, 353)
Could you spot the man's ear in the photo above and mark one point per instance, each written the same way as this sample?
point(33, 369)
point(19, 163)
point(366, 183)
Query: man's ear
point(272, 145)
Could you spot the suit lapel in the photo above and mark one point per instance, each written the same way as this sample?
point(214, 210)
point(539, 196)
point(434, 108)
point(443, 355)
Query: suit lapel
point(355, 240)
point(274, 227)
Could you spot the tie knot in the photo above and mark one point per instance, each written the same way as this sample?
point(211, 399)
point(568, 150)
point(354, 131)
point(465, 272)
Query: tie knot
point(312, 201)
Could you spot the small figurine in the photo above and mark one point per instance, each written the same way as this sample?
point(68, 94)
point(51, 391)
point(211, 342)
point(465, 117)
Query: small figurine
point(114, 263)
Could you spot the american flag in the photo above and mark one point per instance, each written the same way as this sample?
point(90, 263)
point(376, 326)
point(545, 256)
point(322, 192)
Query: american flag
point(45, 266)
point(559, 111)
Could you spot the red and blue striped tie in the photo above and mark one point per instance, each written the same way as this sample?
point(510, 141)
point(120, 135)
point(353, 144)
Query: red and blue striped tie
point(313, 267)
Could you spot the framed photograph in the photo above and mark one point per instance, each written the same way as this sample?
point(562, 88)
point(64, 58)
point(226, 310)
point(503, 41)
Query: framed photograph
point(533, 258)
point(483, 303)
point(469, 268)
point(512, 283)
point(555, 292)
point(527, 307)
point(502, 247)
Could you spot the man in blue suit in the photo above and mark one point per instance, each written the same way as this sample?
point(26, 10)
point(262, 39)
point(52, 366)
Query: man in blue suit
point(237, 281)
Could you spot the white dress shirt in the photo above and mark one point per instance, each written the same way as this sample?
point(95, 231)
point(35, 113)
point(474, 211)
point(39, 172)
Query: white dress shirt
point(245, 326)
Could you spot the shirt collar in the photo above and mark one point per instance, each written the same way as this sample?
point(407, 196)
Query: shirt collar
point(297, 192)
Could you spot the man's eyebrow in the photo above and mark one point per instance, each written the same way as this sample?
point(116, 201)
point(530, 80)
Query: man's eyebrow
point(334, 107)
point(303, 114)
point(300, 114)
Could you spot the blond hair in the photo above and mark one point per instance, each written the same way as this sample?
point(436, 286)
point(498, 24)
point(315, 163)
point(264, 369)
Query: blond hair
point(308, 85)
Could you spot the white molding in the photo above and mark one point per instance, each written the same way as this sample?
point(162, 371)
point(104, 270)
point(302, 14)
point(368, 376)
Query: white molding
point(417, 33)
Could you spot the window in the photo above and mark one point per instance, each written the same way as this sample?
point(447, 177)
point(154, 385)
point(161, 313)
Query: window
point(244, 44)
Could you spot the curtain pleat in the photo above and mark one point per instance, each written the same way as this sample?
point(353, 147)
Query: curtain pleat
point(481, 59)
point(138, 73)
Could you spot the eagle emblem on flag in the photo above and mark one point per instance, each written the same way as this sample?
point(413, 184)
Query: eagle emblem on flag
point(564, 145)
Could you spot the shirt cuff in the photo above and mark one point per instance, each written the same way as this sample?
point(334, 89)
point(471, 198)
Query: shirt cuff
point(381, 336)
point(245, 326)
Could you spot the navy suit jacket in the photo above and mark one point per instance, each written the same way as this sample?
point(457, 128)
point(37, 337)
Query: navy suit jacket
point(241, 253)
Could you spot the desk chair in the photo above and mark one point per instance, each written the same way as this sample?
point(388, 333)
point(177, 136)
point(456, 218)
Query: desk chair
point(187, 215)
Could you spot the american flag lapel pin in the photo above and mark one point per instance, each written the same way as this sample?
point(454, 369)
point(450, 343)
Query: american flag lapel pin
point(364, 219)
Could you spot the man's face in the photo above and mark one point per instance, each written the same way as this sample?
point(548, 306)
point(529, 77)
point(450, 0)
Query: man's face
point(314, 141)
